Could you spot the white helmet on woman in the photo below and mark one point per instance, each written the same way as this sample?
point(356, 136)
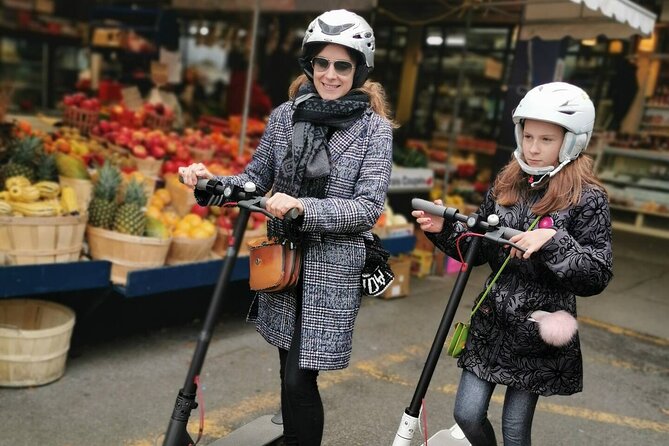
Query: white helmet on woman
point(343, 28)
point(558, 103)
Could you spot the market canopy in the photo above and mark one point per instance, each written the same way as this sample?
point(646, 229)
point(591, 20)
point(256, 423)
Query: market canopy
point(583, 19)
point(274, 5)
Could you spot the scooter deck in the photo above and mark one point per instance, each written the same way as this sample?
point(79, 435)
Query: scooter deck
point(448, 437)
point(261, 432)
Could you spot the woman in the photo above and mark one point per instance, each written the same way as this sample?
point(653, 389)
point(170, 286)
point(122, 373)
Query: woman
point(328, 153)
point(568, 255)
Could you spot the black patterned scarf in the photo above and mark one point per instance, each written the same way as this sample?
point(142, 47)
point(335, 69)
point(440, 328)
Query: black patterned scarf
point(305, 169)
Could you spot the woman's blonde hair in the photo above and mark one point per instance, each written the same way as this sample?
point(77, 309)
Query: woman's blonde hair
point(373, 90)
point(562, 191)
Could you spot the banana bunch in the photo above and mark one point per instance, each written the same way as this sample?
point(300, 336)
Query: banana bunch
point(42, 199)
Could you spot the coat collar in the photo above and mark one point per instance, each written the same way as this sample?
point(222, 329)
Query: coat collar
point(342, 139)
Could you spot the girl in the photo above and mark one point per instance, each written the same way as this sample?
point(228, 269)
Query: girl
point(569, 254)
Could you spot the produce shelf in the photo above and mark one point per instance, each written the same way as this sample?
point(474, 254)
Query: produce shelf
point(31, 280)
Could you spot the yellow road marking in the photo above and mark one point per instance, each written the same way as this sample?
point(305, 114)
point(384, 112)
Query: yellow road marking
point(219, 422)
point(615, 329)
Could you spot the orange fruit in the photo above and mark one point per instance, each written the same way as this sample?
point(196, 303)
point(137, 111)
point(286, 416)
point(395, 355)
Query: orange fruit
point(153, 211)
point(192, 219)
point(157, 202)
point(199, 233)
point(208, 227)
point(164, 195)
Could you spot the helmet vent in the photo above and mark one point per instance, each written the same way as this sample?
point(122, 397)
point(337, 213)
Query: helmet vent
point(566, 112)
point(333, 30)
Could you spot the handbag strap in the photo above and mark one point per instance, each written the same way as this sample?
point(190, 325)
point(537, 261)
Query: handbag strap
point(499, 272)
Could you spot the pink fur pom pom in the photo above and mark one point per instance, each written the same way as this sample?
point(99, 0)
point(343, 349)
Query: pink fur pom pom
point(556, 328)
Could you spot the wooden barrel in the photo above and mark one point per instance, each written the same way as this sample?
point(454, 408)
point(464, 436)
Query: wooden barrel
point(126, 252)
point(34, 341)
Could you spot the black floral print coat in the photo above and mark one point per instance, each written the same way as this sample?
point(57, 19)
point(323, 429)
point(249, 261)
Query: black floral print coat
point(503, 346)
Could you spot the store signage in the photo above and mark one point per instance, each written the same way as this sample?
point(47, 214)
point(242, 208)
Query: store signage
point(411, 179)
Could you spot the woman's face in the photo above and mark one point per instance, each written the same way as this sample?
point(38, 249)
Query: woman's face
point(541, 143)
point(333, 72)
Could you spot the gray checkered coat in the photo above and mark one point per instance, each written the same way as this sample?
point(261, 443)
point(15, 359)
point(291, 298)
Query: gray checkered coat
point(361, 159)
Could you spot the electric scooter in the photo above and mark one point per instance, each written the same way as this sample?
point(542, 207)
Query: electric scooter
point(247, 200)
point(490, 230)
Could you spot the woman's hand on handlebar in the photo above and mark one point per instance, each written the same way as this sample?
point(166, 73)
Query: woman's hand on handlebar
point(428, 222)
point(531, 241)
point(280, 203)
point(192, 173)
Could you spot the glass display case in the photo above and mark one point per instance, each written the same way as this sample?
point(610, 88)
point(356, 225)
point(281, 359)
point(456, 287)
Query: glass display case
point(484, 68)
point(40, 69)
point(24, 63)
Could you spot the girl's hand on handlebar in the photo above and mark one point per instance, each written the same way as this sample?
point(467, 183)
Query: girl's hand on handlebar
point(428, 222)
point(192, 173)
point(531, 241)
point(280, 203)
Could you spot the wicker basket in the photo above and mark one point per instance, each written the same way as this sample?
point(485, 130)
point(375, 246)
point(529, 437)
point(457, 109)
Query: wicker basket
point(159, 122)
point(149, 166)
point(34, 341)
point(34, 240)
point(126, 252)
point(4, 239)
point(183, 197)
point(186, 250)
point(81, 118)
point(199, 155)
point(82, 188)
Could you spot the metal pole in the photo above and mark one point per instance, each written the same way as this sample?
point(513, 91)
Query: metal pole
point(249, 77)
point(458, 98)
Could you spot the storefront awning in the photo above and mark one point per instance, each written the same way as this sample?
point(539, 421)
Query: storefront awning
point(583, 19)
point(275, 5)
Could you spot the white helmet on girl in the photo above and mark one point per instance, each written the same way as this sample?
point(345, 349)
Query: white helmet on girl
point(343, 28)
point(562, 104)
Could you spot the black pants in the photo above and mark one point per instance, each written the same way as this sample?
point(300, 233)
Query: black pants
point(301, 405)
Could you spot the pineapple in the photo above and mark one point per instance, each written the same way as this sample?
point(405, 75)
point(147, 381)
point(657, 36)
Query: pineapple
point(130, 217)
point(22, 159)
point(102, 208)
point(47, 169)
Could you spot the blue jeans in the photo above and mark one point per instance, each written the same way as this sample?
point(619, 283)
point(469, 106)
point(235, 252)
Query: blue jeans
point(471, 412)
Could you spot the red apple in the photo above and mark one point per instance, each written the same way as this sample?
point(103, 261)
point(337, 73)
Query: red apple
point(223, 221)
point(139, 151)
point(202, 211)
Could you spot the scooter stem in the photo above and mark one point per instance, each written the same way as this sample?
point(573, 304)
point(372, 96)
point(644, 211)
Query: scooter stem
point(176, 434)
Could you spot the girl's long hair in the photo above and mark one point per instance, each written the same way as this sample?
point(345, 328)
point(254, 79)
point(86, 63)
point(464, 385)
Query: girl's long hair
point(374, 90)
point(562, 191)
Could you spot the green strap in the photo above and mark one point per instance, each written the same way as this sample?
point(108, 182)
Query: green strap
point(499, 272)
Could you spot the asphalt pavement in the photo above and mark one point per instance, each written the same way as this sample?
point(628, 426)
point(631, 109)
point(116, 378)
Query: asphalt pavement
point(129, 362)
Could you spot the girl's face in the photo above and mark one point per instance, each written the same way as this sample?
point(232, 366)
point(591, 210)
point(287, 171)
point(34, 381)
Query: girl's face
point(333, 72)
point(541, 143)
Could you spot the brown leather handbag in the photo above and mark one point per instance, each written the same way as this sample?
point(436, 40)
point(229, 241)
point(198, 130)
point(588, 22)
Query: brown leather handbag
point(273, 266)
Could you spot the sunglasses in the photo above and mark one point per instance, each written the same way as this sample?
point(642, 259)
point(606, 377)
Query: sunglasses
point(342, 67)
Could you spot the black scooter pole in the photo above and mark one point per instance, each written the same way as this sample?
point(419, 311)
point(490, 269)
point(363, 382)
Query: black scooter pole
point(177, 434)
point(442, 332)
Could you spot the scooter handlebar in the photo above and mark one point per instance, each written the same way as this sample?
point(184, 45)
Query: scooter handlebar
point(290, 215)
point(500, 235)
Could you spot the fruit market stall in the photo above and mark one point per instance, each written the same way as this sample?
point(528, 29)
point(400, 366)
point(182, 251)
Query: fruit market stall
point(135, 229)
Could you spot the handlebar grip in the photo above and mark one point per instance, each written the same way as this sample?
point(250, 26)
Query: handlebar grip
point(290, 215)
point(510, 232)
point(428, 206)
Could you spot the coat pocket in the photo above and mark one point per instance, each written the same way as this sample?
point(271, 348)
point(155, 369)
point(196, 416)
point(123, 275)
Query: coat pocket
point(527, 341)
